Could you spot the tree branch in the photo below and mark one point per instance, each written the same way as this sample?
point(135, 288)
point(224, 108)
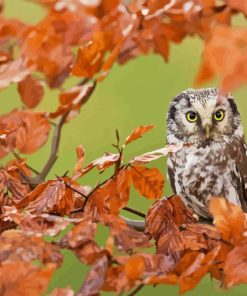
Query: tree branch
point(54, 150)
point(136, 290)
point(134, 211)
point(135, 224)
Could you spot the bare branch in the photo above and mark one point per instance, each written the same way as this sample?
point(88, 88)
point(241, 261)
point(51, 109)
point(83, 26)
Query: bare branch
point(134, 211)
point(54, 150)
point(136, 224)
point(136, 290)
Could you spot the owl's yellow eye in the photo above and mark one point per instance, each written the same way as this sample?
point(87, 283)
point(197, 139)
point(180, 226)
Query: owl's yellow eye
point(219, 115)
point(191, 116)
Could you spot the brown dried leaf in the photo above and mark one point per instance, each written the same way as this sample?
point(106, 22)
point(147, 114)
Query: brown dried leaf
point(166, 212)
point(149, 182)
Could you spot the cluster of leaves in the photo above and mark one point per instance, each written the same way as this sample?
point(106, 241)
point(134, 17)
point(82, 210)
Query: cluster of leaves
point(185, 249)
point(84, 39)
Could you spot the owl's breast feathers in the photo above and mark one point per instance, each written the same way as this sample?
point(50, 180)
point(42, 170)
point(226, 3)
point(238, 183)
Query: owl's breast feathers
point(219, 169)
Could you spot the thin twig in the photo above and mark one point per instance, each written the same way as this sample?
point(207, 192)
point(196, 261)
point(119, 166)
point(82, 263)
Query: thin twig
point(71, 187)
point(134, 211)
point(136, 290)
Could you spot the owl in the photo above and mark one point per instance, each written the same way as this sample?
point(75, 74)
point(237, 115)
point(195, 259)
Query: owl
point(213, 160)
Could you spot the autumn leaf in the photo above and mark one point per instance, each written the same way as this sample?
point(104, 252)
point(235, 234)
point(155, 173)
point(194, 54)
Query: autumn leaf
point(125, 237)
point(235, 266)
point(13, 72)
point(22, 278)
point(62, 292)
point(217, 51)
point(50, 197)
point(95, 278)
point(229, 219)
point(148, 182)
point(80, 156)
point(137, 133)
point(71, 100)
point(17, 246)
point(156, 154)
point(31, 91)
point(111, 196)
point(81, 233)
point(197, 269)
point(33, 133)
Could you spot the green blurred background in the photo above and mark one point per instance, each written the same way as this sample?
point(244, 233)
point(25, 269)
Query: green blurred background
point(137, 93)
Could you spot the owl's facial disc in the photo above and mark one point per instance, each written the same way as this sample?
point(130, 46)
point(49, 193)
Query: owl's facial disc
point(197, 116)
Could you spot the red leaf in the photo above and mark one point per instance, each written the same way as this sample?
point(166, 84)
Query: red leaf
point(31, 91)
point(137, 133)
point(148, 182)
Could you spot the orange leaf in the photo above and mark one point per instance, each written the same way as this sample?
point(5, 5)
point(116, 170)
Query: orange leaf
point(22, 278)
point(112, 196)
point(13, 72)
point(33, 133)
point(95, 278)
point(80, 156)
point(50, 197)
point(126, 238)
point(235, 266)
point(137, 133)
point(31, 91)
point(148, 182)
point(229, 219)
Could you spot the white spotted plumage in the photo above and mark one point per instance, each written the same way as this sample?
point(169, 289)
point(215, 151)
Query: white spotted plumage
point(207, 167)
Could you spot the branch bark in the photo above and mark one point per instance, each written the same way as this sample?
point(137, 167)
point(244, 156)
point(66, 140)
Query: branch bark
point(54, 150)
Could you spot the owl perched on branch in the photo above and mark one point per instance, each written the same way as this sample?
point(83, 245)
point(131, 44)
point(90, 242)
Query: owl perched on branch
point(213, 162)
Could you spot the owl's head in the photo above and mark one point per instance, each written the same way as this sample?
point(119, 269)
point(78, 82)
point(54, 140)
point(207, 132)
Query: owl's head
point(203, 116)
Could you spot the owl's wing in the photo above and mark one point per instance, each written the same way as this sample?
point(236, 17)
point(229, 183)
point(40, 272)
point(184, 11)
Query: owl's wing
point(171, 174)
point(240, 156)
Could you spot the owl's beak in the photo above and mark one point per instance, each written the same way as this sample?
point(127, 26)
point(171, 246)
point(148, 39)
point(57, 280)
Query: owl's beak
point(207, 129)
